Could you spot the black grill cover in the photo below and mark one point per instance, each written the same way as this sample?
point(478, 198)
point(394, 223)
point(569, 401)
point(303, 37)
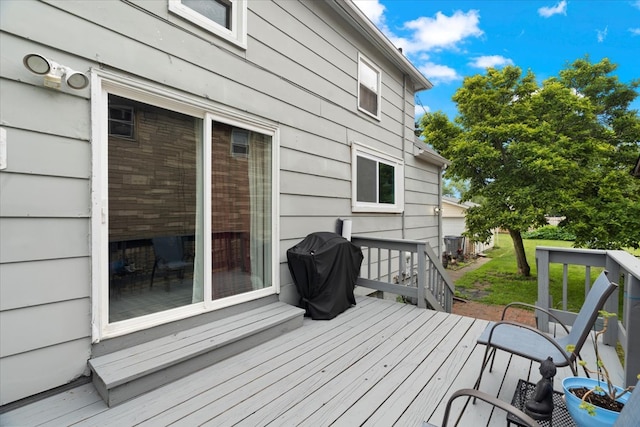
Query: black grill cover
point(325, 267)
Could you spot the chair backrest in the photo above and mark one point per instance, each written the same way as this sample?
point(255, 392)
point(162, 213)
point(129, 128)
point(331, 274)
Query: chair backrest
point(601, 290)
point(168, 248)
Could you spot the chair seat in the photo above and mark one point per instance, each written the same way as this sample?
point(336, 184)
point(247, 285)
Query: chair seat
point(174, 265)
point(525, 342)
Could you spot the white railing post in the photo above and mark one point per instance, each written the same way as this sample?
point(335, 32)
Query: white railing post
point(542, 261)
point(610, 336)
point(422, 275)
point(632, 325)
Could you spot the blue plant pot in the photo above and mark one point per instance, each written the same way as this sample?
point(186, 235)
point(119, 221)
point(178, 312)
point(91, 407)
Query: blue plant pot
point(603, 417)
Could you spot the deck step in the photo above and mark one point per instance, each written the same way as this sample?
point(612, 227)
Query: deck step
point(130, 372)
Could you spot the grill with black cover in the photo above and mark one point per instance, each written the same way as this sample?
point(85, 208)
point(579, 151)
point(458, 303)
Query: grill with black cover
point(325, 267)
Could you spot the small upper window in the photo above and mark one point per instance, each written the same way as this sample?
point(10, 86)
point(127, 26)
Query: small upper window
point(239, 143)
point(225, 18)
point(219, 11)
point(121, 121)
point(368, 87)
point(377, 181)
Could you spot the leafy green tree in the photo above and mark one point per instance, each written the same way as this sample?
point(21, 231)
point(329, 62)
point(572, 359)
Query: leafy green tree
point(454, 187)
point(528, 149)
point(604, 210)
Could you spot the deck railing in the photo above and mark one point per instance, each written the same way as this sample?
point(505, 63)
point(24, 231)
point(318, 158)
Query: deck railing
point(409, 268)
point(623, 269)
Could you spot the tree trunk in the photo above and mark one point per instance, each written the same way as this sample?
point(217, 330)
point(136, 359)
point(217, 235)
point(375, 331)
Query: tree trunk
point(521, 257)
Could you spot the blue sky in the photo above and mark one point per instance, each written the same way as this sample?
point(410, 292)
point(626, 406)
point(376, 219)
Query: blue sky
point(449, 40)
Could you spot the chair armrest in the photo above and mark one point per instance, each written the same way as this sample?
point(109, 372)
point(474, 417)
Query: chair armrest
point(524, 304)
point(477, 394)
point(533, 330)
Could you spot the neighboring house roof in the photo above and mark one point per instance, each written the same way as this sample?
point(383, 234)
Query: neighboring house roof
point(352, 13)
point(456, 202)
point(428, 154)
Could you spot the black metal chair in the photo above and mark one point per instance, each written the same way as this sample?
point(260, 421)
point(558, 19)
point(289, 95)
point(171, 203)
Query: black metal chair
point(476, 394)
point(169, 256)
point(528, 342)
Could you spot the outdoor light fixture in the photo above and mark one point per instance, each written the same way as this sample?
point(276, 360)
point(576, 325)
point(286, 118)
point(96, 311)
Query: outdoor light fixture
point(436, 210)
point(54, 73)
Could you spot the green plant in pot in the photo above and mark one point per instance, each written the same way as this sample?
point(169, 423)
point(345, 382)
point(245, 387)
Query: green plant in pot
point(595, 401)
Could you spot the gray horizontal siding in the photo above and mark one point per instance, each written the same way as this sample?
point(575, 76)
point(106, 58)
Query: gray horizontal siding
point(42, 326)
point(28, 239)
point(45, 315)
point(312, 206)
point(41, 110)
point(44, 196)
point(32, 153)
point(26, 284)
point(40, 370)
point(301, 162)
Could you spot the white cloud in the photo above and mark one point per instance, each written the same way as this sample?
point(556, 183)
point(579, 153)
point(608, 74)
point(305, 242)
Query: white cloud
point(442, 32)
point(560, 8)
point(373, 9)
point(427, 34)
point(439, 73)
point(635, 31)
point(490, 61)
point(602, 34)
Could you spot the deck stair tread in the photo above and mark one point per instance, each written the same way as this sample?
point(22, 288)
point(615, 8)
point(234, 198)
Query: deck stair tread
point(165, 359)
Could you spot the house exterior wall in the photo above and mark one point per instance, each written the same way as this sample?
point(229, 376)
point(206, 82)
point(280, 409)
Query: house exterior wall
point(299, 70)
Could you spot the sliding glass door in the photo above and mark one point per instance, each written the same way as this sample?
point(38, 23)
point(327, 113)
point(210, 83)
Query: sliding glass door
point(190, 210)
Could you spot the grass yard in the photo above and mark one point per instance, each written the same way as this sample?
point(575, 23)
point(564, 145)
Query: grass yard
point(497, 282)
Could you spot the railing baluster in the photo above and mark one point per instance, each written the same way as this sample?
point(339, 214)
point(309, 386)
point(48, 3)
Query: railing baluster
point(587, 280)
point(389, 265)
point(565, 283)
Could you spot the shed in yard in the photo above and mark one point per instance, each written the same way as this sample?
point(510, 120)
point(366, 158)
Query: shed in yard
point(454, 224)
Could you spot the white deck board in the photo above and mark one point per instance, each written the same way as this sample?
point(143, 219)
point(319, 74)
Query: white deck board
point(379, 363)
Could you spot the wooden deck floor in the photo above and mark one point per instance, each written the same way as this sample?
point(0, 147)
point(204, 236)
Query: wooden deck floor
point(378, 364)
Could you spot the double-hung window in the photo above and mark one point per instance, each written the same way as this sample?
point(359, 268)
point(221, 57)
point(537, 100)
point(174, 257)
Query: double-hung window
point(369, 85)
point(224, 18)
point(377, 181)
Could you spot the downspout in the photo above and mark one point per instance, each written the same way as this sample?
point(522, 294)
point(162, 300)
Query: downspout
point(440, 247)
point(404, 141)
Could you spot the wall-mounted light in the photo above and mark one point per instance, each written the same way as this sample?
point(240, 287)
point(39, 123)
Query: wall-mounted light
point(54, 73)
point(436, 210)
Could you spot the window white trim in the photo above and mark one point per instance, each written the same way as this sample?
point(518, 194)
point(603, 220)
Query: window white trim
point(104, 83)
point(359, 150)
point(363, 60)
point(236, 35)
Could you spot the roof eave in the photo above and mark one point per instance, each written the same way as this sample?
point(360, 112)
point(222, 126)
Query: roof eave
point(422, 151)
point(352, 13)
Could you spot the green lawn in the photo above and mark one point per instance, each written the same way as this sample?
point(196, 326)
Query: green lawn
point(500, 284)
